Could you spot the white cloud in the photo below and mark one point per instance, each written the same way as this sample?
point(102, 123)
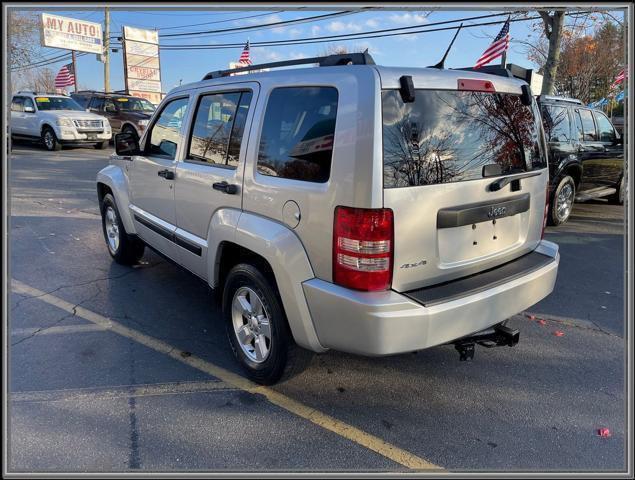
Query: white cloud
point(344, 27)
point(297, 55)
point(372, 23)
point(408, 38)
point(408, 18)
point(315, 29)
point(294, 32)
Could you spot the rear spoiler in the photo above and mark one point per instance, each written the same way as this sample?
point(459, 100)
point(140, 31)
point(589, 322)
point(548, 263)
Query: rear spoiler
point(512, 71)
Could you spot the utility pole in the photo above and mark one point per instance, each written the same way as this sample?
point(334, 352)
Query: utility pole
point(106, 50)
point(75, 69)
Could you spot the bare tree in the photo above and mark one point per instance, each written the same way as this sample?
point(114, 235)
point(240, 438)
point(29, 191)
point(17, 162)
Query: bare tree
point(22, 42)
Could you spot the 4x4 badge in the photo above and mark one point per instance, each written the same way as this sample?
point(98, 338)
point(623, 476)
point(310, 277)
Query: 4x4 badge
point(412, 265)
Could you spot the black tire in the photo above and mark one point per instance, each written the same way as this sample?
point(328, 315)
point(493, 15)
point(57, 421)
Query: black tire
point(102, 145)
point(558, 213)
point(50, 141)
point(285, 359)
point(618, 197)
point(128, 250)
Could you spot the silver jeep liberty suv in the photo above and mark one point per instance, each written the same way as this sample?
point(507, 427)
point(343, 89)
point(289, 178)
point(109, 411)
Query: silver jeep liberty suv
point(347, 206)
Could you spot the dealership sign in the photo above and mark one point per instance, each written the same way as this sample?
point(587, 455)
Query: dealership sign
point(71, 34)
point(141, 60)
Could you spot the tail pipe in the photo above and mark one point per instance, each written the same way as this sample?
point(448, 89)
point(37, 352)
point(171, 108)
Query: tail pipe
point(498, 336)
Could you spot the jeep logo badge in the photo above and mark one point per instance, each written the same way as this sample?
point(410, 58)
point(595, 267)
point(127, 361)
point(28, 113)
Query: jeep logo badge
point(496, 212)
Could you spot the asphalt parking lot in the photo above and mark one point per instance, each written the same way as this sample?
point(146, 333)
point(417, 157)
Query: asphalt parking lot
point(115, 368)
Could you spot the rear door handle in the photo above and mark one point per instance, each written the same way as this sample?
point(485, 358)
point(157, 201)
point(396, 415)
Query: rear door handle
point(225, 187)
point(167, 174)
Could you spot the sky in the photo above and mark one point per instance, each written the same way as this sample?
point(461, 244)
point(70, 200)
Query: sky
point(416, 50)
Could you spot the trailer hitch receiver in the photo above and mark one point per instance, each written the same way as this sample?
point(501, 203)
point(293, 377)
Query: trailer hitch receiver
point(498, 336)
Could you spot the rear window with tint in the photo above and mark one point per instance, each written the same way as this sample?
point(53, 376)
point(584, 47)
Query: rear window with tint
point(448, 136)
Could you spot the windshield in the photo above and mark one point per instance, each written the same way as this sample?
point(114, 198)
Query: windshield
point(57, 103)
point(128, 104)
point(448, 136)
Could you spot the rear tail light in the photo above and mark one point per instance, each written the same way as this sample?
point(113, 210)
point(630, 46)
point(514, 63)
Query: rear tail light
point(363, 248)
point(475, 85)
point(544, 218)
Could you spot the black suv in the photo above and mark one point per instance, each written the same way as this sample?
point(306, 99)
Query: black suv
point(586, 156)
point(125, 113)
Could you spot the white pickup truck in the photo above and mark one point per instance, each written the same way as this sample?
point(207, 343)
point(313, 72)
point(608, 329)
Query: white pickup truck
point(56, 120)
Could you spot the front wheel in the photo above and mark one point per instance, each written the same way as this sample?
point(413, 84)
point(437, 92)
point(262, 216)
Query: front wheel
point(562, 201)
point(50, 141)
point(102, 145)
point(257, 327)
point(122, 247)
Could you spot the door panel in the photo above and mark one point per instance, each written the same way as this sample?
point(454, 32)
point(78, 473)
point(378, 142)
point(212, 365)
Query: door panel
point(210, 177)
point(152, 178)
point(612, 164)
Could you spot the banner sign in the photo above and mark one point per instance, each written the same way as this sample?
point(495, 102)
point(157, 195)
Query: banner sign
point(144, 49)
point(144, 85)
point(141, 63)
point(71, 34)
point(152, 97)
point(144, 73)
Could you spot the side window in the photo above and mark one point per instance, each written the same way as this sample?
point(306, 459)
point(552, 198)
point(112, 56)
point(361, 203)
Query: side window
point(556, 123)
point(17, 104)
point(297, 133)
point(109, 105)
point(29, 103)
point(218, 128)
point(97, 103)
point(165, 134)
point(605, 128)
point(81, 100)
point(588, 126)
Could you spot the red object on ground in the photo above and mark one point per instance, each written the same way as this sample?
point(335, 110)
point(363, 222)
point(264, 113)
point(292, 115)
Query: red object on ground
point(604, 432)
point(531, 317)
point(542, 322)
point(559, 333)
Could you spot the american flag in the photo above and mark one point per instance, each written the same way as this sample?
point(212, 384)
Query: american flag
point(65, 77)
point(496, 49)
point(244, 57)
point(619, 79)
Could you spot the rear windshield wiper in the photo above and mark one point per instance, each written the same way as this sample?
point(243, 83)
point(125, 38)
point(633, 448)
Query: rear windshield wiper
point(501, 182)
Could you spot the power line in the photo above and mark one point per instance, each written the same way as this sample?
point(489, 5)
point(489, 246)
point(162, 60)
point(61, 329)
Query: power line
point(221, 21)
point(251, 27)
point(351, 36)
point(479, 17)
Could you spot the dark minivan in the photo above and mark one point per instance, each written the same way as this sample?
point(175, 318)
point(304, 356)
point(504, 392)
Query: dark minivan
point(586, 156)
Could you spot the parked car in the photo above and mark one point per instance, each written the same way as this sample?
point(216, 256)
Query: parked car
point(56, 120)
point(586, 156)
point(366, 209)
point(125, 113)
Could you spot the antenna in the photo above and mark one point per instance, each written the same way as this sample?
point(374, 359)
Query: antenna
point(441, 64)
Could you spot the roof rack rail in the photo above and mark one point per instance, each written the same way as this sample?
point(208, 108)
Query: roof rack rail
point(327, 61)
point(34, 92)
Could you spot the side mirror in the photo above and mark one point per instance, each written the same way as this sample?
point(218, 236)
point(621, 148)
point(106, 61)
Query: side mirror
point(29, 110)
point(126, 144)
point(618, 140)
point(168, 148)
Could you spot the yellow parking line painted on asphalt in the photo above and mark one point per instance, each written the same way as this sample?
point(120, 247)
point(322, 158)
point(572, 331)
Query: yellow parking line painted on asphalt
point(327, 422)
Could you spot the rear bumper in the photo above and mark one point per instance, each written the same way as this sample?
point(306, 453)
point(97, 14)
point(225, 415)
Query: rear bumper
point(385, 323)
